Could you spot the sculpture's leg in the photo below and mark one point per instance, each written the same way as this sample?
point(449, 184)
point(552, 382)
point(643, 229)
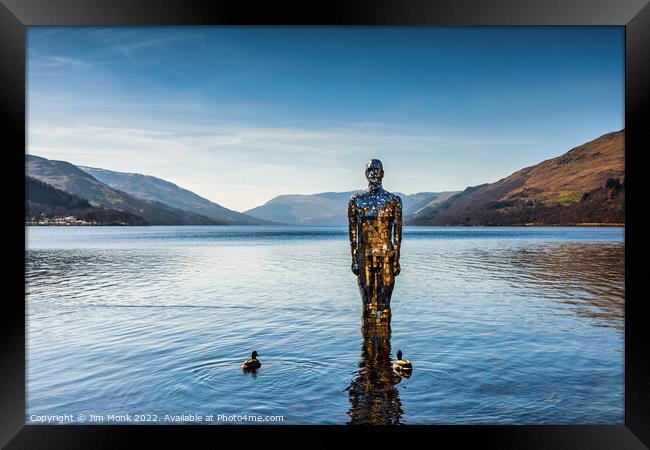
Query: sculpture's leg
point(386, 280)
point(365, 280)
point(376, 283)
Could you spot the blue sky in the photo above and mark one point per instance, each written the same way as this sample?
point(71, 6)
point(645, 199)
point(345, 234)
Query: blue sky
point(242, 114)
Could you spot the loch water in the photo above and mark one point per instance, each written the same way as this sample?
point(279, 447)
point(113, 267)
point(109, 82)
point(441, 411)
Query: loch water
point(507, 325)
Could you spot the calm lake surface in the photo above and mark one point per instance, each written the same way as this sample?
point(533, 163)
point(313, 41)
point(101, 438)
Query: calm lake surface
point(502, 325)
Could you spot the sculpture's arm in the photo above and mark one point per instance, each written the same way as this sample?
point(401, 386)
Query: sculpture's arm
point(353, 228)
point(397, 232)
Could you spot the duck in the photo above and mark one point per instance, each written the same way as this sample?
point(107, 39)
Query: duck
point(251, 364)
point(402, 366)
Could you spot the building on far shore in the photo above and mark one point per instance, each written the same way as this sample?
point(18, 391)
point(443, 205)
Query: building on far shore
point(62, 221)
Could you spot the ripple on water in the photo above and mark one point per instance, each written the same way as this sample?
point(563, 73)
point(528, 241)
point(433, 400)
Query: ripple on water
point(502, 326)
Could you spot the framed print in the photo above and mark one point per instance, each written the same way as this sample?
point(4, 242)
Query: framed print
point(291, 219)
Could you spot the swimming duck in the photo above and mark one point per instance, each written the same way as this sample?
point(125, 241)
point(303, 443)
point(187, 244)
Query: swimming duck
point(402, 366)
point(251, 364)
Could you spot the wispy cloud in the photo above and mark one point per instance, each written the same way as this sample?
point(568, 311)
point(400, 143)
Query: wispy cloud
point(242, 114)
point(128, 47)
point(243, 166)
point(369, 124)
point(49, 62)
point(335, 140)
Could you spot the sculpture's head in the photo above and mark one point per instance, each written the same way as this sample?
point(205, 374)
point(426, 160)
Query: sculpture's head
point(374, 171)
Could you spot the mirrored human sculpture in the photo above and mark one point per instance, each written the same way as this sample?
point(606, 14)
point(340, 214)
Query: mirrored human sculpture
point(375, 230)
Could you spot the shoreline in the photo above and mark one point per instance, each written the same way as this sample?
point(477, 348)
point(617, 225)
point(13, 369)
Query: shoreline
point(526, 225)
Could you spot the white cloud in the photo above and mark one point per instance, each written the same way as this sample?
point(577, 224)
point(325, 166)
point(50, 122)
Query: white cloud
point(244, 166)
point(49, 62)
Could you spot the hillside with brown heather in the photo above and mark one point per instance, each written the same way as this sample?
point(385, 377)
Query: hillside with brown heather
point(69, 178)
point(586, 185)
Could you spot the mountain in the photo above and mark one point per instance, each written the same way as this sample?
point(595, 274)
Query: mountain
point(151, 188)
point(330, 208)
point(414, 203)
point(586, 185)
point(69, 178)
point(44, 201)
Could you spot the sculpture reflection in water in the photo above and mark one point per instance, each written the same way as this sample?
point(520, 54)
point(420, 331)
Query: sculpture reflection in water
point(374, 397)
point(375, 228)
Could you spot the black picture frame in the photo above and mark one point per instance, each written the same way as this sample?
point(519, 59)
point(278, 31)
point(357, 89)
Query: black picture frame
point(16, 15)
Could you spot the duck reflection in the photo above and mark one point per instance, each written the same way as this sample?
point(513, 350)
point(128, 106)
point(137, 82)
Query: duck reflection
point(374, 398)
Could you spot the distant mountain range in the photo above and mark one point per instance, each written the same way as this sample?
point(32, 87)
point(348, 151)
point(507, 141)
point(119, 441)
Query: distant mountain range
point(330, 208)
point(69, 178)
point(155, 189)
point(586, 185)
